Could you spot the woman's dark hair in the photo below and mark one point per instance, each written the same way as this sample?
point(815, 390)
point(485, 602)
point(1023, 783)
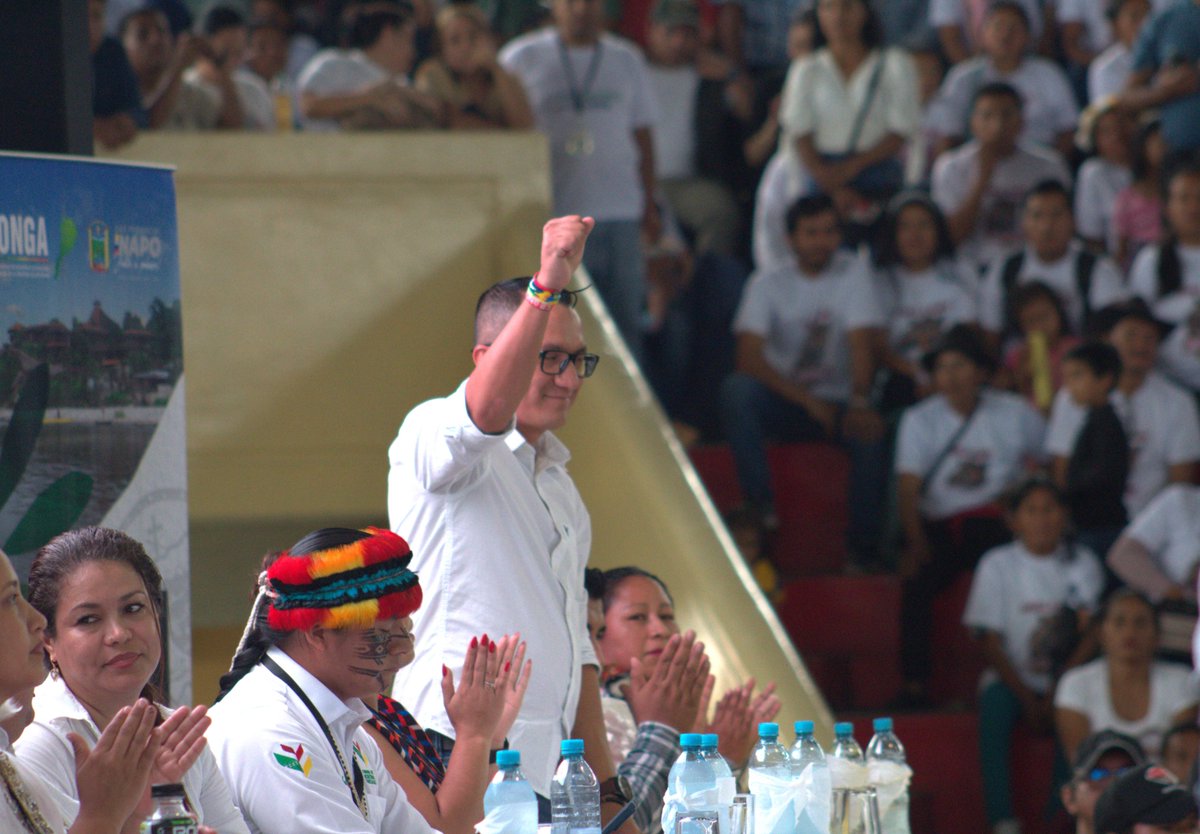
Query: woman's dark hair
point(1139, 165)
point(1028, 487)
point(259, 636)
point(60, 557)
point(613, 579)
point(887, 253)
point(871, 34)
point(1120, 595)
point(1027, 294)
point(1170, 268)
point(593, 583)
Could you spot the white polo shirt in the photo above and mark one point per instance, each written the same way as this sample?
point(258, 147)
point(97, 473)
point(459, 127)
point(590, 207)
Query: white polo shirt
point(1161, 423)
point(991, 456)
point(500, 540)
point(283, 772)
point(46, 751)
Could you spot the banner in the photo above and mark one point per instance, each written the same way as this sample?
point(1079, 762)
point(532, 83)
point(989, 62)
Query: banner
point(91, 385)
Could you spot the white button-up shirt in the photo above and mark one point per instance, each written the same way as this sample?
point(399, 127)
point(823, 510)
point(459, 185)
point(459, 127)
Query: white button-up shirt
point(500, 539)
point(45, 750)
point(282, 771)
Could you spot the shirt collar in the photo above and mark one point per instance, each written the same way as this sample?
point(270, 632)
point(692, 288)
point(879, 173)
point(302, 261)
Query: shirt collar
point(549, 450)
point(54, 699)
point(332, 708)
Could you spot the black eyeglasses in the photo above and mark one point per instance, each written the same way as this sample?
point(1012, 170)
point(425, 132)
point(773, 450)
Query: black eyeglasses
point(554, 362)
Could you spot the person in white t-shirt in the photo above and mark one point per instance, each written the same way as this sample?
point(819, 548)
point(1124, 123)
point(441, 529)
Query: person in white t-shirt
point(1110, 70)
point(957, 453)
point(1160, 418)
point(1159, 552)
point(1125, 689)
point(1106, 132)
point(366, 86)
point(591, 98)
point(923, 291)
point(806, 338)
point(688, 83)
point(981, 185)
point(1048, 102)
point(959, 25)
point(1167, 276)
point(1083, 281)
point(1028, 609)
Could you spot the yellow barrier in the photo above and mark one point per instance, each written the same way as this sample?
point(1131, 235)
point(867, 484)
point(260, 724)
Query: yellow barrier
point(328, 284)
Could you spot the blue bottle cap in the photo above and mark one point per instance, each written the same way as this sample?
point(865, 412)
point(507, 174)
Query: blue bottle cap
point(690, 741)
point(768, 729)
point(709, 741)
point(508, 758)
point(804, 728)
point(843, 728)
point(883, 725)
point(571, 746)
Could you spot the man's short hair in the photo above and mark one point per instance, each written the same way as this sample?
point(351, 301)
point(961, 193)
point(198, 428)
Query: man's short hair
point(218, 19)
point(593, 582)
point(808, 206)
point(1046, 188)
point(997, 89)
point(498, 303)
point(366, 27)
point(1101, 358)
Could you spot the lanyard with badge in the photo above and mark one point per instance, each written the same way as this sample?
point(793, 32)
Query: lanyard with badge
point(579, 141)
point(357, 789)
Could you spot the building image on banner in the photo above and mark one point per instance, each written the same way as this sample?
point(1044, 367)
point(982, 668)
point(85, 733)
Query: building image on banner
point(91, 368)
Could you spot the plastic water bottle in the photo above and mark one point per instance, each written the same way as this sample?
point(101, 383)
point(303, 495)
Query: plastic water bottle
point(847, 772)
point(884, 754)
point(726, 783)
point(770, 782)
point(170, 814)
point(511, 797)
point(574, 793)
point(814, 803)
point(691, 784)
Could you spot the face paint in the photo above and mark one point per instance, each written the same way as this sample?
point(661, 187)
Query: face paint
point(375, 649)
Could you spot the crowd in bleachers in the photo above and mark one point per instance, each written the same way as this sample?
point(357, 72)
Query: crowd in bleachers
point(959, 238)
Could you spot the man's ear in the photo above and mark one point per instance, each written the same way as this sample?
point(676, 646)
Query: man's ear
point(477, 353)
point(1068, 799)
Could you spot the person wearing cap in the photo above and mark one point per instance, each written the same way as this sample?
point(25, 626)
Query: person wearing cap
point(1101, 758)
point(698, 93)
point(1160, 418)
point(287, 730)
point(957, 453)
point(480, 478)
point(1146, 800)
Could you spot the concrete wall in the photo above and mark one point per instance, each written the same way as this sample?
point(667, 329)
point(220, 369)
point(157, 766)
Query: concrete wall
point(328, 283)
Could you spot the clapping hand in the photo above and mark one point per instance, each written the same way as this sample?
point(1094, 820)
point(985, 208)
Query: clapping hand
point(737, 716)
point(477, 703)
point(670, 693)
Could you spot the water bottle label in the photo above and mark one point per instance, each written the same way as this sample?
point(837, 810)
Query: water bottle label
point(178, 825)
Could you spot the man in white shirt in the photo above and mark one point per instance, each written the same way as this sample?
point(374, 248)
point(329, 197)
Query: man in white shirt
point(959, 25)
point(689, 90)
point(366, 87)
point(1160, 417)
point(1083, 281)
point(980, 186)
point(480, 480)
point(805, 365)
point(591, 97)
point(1109, 72)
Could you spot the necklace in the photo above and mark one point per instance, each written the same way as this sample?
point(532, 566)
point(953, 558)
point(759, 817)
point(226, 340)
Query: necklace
point(19, 798)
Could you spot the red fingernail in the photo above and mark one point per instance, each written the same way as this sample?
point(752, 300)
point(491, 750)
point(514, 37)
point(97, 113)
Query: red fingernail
point(445, 671)
point(485, 638)
point(474, 642)
point(506, 666)
point(492, 647)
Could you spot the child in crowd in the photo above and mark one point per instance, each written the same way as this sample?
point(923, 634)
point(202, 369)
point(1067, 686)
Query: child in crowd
point(1104, 131)
point(1028, 606)
point(981, 185)
point(1099, 464)
point(923, 290)
point(1051, 254)
point(1033, 364)
point(1109, 72)
point(1180, 747)
point(1167, 276)
point(1137, 208)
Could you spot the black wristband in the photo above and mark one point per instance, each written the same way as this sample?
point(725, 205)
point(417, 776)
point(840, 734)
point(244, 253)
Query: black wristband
point(492, 753)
